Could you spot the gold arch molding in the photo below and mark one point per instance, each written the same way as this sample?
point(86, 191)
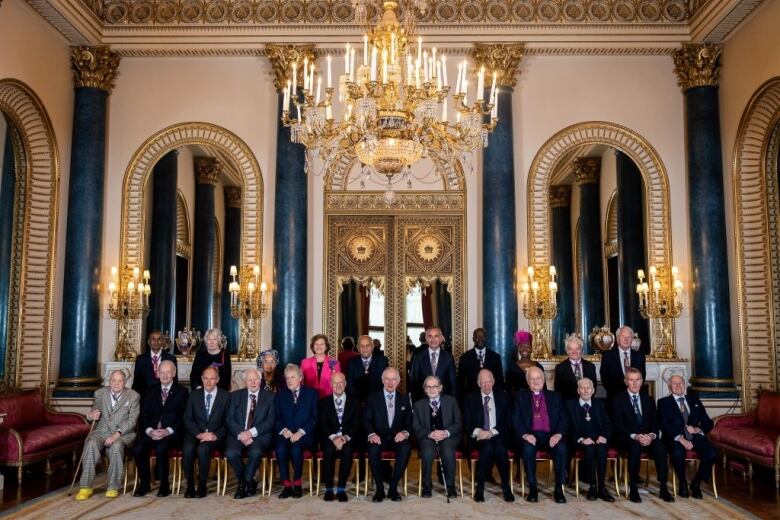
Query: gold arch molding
point(209, 135)
point(752, 207)
point(35, 272)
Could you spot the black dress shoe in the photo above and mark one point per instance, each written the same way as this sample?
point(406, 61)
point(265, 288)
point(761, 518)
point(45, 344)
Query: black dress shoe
point(329, 496)
point(251, 488)
point(297, 492)
point(202, 492)
point(378, 497)
point(665, 495)
point(287, 492)
point(240, 491)
point(560, 498)
point(451, 493)
point(479, 496)
point(426, 493)
point(592, 493)
point(605, 496)
point(682, 490)
point(633, 496)
point(342, 496)
point(394, 496)
point(533, 494)
point(509, 496)
point(696, 490)
point(190, 493)
point(163, 491)
point(141, 490)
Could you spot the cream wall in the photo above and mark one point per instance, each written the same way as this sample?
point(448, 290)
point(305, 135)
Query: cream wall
point(750, 58)
point(34, 53)
point(153, 93)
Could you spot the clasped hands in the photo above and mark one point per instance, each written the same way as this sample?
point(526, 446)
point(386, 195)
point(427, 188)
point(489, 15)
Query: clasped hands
point(483, 435)
point(339, 441)
point(643, 438)
point(158, 434)
point(208, 436)
point(531, 439)
point(290, 436)
point(375, 439)
point(589, 442)
point(438, 435)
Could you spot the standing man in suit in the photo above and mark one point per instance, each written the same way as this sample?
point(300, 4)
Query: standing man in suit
point(338, 422)
point(636, 432)
point(617, 360)
point(434, 361)
point(160, 427)
point(387, 420)
point(685, 424)
point(296, 420)
point(590, 429)
point(569, 372)
point(116, 409)
point(476, 359)
point(540, 423)
point(205, 428)
point(364, 372)
point(250, 421)
point(487, 416)
point(437, 426)
point(147, 365)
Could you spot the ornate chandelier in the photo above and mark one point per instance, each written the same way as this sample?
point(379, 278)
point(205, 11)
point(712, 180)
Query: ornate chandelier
point(396, 105)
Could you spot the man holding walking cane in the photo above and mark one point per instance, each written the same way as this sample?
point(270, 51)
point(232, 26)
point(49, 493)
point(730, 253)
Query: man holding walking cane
point(114, 415)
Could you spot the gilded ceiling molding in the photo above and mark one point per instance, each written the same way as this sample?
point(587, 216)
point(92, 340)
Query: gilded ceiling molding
point(94, 67)
point(232, 197)
point(283, 56)
point(500, 57)
point(697, 65)
point(208, 170)
point(587, 170)
point(560, 196)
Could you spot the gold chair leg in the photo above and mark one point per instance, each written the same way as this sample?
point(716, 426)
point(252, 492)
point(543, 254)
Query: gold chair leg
point(674, 483)
point(319, 474)
point(406, 481)
point(367, 478)
point(522, 479)
point(356, 467)
point(576, 477)
point(615, 472)
point(270, 476)
point(124, 488)
point(419, 480)
point(473, 466)
point(512, 476)
point(311, 477)
point(714, 484)
point(549, 472)
point(460, 476)
point(624, 465)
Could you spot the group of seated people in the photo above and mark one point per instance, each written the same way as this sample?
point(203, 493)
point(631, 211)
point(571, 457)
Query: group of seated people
point(359, 412)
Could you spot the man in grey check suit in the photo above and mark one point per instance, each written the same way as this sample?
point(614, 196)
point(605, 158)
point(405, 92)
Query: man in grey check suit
point(116, 409)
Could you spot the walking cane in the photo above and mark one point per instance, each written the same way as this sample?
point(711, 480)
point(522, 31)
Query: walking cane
point(78, 467)
point(443, 476)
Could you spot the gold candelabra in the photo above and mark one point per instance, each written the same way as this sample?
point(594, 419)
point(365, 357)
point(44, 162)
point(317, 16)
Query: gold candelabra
point(660, 300)
point(538, 300)
point(247, 304)
point(129, 301)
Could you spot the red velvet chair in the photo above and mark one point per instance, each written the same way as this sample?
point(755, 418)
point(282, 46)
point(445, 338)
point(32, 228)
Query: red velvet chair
point(754, 436)
point(31, 431)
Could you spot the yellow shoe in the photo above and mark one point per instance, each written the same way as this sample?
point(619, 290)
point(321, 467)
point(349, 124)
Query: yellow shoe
point(112, 493)
point(83, 494)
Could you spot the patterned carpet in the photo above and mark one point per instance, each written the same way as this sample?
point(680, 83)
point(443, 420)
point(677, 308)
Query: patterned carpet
point(58, 505)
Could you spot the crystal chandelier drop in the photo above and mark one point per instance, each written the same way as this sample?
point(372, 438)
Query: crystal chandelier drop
point(397, 105)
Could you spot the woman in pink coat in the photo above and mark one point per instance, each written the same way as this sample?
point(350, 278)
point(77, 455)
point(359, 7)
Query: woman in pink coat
point(318, 368)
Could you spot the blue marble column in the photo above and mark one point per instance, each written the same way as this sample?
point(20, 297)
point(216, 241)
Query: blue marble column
point(587, 171)
point(162, 256)
point(697, 68)
point(207, 174)
point(94, 72)
point(7, 193)
point(631, 244)
point(230, 256)
point(560, 210)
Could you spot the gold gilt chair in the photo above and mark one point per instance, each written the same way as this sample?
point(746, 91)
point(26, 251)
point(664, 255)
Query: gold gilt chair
point(355, 466)
point(475, 459)
point(692, 456)
point(308, 460)
point(458, 460)
point(386, 456)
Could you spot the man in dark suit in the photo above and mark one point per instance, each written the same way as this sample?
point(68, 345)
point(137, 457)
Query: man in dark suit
point(387, 421)
point(250, 421)
point(590, 429)
point(160, 427)
point(434, 361)
point(540, 424)
point(570, 371)
point(685, 424)
point(364, 372)
point(204, 425)
point(615, 361)
point(296, 421)
point(436, 424)
point(338, 422)
point(636, 432)
point(478, 358)
point(147, 365)
point(486, 423)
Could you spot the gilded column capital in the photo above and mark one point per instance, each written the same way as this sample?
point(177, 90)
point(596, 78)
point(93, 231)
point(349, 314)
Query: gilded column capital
point(697, 65)
point(503, 58)
point(283, 56)
point(208, 170)
point(232, 197)
point(587, 170)
point(94, 67)
point(560, 196)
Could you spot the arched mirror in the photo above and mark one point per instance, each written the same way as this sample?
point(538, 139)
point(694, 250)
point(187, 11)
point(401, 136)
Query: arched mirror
point(598, 242)
point(361, 311)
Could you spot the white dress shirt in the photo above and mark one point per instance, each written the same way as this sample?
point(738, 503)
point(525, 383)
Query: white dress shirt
point(252, 430)
point(491, 413)
point(167, 391)
point(343, 398)
point(688, 406)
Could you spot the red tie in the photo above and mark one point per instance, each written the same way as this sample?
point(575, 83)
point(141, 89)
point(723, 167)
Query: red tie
point(155, 362)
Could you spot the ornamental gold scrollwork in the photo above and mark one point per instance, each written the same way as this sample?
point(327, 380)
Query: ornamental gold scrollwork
point(208, 170)
point(283, 56)
point(503, 58)
point(560, 196)
point(94, 67)
point(232, 197)
point(697, 65)
point(587, 170)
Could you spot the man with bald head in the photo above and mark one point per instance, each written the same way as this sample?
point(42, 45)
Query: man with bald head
point(434, 361)
point(685, 424)
point(250, 421)
point(338, 422)
point(615, 361)
point(160, 427)
point(364, 372)
point(540, 424)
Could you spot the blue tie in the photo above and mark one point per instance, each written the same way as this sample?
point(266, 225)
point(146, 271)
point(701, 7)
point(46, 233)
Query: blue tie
point(208, 405)
point(637, 411)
